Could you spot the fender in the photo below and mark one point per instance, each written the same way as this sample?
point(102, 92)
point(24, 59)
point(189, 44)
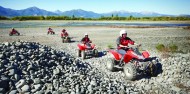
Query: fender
point(129, 56)
point(115, 54)
point(145, 54)
point(80, 47)
point(92, 46)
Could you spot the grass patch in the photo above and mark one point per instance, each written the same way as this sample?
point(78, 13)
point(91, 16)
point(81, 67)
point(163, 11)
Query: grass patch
point(110, 46)
point(166, 50)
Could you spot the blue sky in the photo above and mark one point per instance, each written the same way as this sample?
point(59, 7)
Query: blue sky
point(174, 7)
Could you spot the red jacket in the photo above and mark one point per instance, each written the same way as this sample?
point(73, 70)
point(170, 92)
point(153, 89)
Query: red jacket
point(124, 41)
point(85, 40)
point(64, 34)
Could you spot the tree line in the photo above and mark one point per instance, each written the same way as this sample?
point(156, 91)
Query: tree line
point(129, 18)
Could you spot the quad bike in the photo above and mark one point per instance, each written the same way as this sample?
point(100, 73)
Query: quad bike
point(51, 32)
point(133, 62)
point(14, 33)
point(66, 39)
point(87, 49)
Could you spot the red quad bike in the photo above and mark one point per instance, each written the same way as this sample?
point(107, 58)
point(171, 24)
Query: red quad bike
point(133, 62)
point(14, 33)
point(51, 32)
point(87, 49)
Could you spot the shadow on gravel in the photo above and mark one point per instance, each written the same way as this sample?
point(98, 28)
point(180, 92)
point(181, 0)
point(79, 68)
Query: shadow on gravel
point(100, 54)
point(116, 69)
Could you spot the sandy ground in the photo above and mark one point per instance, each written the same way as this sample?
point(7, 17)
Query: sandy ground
point(104, 36)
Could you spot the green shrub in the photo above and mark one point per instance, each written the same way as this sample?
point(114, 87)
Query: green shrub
point(173, 48)
point(110, 46)
point(165, 50)
point(160, 47)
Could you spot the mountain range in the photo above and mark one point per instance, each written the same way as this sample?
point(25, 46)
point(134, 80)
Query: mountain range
point(35, 11)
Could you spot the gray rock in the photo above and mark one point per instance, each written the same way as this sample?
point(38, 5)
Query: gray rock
point(56, 71)
point(25, 88)
point(37, 81)
point(63, 89)
point(37, 87)
point(20, 83)
point(13, 92)
point(21, 57)
point(147, 87)
point(6, 43)
point(12, 72)
point(174, 88)
point(93, 83)
point(18, 44)
point(17, 77)
point(2, 56)
point(188, 83)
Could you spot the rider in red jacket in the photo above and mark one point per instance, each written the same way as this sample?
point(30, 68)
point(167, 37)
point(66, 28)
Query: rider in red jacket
point(123, 40)
point(64, 33)
point(13, 30)
point(50, 30)
point(86, 39)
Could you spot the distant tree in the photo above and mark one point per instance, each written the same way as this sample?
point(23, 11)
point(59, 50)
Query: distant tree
point(3, 18)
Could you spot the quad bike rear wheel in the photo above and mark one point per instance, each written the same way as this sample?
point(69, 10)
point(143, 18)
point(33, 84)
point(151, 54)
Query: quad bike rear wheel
point(95, 53)
point(130, 71)
point(83, 55)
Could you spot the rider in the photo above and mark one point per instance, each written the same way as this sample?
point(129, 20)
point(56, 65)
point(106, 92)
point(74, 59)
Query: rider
point(13, 30)
point(85, 39)
point(64, 33)
point(50, 30)
point(123, 40)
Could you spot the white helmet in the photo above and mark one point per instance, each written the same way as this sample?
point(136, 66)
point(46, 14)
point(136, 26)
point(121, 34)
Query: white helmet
point(85, 34)
point(122, 32)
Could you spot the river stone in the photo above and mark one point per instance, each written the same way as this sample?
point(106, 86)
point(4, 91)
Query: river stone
point(174, 88)
point(25, 88)
point(63, 89)
point(188, 83)
point(37, 87)
point(6, 43)
point(20, 83)
point(37, 81)
point(13, 92)
point(12, 72)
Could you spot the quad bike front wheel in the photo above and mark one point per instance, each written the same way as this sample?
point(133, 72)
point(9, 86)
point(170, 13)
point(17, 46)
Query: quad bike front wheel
point(79, 53)
point(83, 55)
point(110, 64)
point(130, 71)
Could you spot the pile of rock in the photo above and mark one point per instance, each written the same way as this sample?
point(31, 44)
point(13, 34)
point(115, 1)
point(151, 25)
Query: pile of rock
point(28, 67)
point(173, 77)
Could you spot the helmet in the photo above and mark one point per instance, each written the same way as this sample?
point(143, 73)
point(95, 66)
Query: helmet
point(85, 34)
point(63, 30)
point(122, 32)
